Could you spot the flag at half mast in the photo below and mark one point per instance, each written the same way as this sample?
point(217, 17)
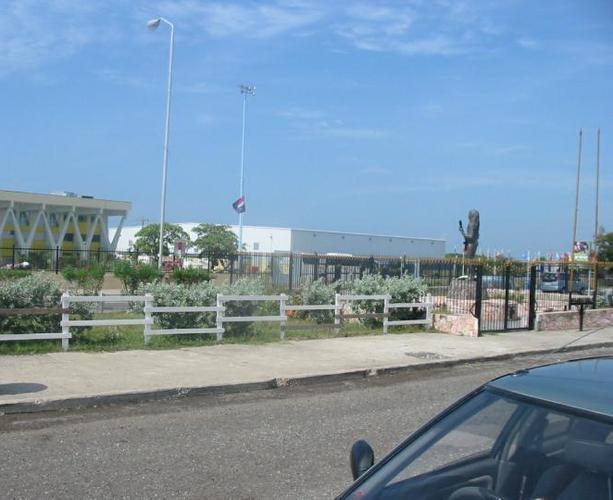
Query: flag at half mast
point(239, 205)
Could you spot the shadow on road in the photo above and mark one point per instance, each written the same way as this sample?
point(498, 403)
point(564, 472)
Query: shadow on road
point(21, 388)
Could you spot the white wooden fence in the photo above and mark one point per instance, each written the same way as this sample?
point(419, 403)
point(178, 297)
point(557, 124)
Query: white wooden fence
point(149, 309)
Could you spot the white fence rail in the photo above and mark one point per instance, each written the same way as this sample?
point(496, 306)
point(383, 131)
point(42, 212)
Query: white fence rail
point(220, 310)
point(150, 309)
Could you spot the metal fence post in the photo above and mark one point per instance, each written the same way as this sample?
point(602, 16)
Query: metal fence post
point(532, 298)
point(57, 260)
point(283, 313)
point(291, 271)
point(337, 313)
point(595, 295)
point(507, 284)
point(148, 317)
point(65, 319)
point(219, 318)
point(386, 311)
point(13, 258)
point(479, 296)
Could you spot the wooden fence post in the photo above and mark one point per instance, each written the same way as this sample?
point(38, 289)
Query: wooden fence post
point(219, 317)
point(386, 312)
point(65, 318)
point(337, 313)
point(148, 317)
point(283, 313)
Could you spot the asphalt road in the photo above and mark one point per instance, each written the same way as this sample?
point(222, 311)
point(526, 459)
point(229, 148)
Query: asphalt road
point(290, 443)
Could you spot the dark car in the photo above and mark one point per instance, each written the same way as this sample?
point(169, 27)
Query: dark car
point(540, 433)
point(558, 282)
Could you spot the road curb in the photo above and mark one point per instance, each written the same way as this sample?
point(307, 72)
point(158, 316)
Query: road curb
point(82, 402)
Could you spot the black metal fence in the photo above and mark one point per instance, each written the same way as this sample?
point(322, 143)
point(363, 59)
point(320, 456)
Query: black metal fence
point(503, 295)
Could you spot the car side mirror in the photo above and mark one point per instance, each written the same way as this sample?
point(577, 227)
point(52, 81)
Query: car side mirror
point(361, 458)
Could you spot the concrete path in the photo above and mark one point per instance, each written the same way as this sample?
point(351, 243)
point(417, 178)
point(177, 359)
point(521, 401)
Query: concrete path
point(72, 379)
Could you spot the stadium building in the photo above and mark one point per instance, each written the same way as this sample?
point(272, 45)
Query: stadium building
point(314, 241)
point(61, 220)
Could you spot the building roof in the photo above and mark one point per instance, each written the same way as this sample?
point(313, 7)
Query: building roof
point(111, 207)
point(584, 384)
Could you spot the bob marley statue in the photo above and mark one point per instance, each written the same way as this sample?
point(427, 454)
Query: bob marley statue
point(471, 235)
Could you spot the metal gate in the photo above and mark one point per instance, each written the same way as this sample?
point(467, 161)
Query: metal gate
point(505, 298)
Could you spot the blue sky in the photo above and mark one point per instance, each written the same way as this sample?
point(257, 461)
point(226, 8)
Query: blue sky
point(391, 117)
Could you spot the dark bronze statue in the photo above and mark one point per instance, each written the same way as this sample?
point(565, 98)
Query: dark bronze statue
point(471, 235)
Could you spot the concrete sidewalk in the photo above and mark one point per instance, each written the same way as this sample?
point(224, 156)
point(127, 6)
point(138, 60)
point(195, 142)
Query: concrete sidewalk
point(73, 379)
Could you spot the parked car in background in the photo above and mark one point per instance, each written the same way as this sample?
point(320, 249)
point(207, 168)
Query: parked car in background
point(499, 281)
point(540, 433)
point(559, 282)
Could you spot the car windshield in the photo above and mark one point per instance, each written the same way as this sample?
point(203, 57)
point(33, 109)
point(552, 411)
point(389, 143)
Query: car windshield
point(549, 277)
point(495, 446)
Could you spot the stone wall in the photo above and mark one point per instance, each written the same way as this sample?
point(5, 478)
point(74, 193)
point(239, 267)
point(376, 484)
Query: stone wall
point(569, 320)
point(457, 324)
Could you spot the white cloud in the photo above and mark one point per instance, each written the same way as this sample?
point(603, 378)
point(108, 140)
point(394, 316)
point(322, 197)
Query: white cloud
point(254, 20)
point(196, 88)
point(116, 77)
point(318, 123)
point(437, 27)
point(528, 43)
point(298, 113)
point(205, 119)
point(376, 170)
point(34, 32)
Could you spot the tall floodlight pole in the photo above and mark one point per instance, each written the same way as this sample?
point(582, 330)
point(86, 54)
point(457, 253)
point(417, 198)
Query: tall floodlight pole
point(245, 91)
point(153, 25)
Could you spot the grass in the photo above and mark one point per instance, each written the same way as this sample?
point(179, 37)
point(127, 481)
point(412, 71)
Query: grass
point(121, 338)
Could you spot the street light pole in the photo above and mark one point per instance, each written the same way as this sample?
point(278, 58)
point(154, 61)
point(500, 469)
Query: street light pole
point(152, 25)
point(245, 91)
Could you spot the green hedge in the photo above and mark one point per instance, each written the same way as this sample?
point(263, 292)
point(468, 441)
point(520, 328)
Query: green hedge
point(205, 294)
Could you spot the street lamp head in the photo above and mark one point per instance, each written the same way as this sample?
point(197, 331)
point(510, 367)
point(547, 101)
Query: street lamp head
point(153, 24)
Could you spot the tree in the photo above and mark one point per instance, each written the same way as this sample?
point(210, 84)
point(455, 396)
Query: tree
point(604, 244)
point(148, 238)
point(214, 240)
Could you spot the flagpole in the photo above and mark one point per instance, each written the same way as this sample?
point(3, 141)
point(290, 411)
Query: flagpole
point(596, 221)
point(245, 90)
point(572, 253)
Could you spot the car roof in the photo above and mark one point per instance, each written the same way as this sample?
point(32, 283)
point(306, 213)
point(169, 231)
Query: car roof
point(583, 384)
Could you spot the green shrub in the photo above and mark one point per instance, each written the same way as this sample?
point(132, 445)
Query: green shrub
point(30, 292)
point(244, 286)
point(402, 289)
point(134, 275)
point(13, 274)
point(205, 294)
point(172, 294)
point(190, 276)
point(405, 289)
point(318, 292)
point(88, 280)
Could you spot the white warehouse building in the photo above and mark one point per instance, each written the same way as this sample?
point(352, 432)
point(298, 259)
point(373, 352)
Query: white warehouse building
point(315, 241)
